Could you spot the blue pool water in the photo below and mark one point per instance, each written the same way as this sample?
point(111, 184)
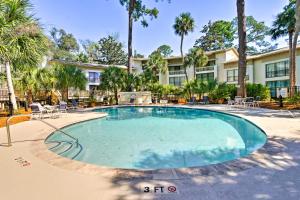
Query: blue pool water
point(158, 137)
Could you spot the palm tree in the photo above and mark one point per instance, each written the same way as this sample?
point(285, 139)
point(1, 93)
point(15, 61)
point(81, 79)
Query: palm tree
point(113, 80)
point(242, 47)
point(21, 39)
point(157, 63)
point(283, 25)
point(31, 80)
point(184, 24)
point(68, 77)
point(196, 58)
point(200, 87)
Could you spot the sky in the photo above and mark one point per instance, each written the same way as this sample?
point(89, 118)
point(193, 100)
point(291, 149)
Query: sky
point(94, 19)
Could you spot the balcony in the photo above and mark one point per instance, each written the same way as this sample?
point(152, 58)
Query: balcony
point(176, 72)
point(3, 95)
point(202, 69)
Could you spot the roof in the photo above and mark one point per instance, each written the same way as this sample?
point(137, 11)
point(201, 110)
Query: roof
point(208, 53)
point(91, 65)
point(258, 56)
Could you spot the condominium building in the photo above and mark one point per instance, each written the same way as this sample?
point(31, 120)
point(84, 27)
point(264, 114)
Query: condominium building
point(270, 69)
point(92, 72)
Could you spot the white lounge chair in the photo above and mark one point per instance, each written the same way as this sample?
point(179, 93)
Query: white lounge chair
point(39, 111)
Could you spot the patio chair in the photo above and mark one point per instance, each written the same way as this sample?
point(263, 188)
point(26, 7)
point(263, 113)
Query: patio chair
point(132, 99)
point(38, 111)
point(205, 100)
point(74, 104)
point(257, 101)
point(192, 101)
point(238, 100)
point(62, 107)
point(52, 110)
point(230, 103)
point(248, 102)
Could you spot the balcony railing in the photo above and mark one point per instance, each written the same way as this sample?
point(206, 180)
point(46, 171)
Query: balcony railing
point(83, 94)
point(80, 94)
point(208, 68)
point(235, 78)
point(176, 72)
point(94, 80)
point(3, 94)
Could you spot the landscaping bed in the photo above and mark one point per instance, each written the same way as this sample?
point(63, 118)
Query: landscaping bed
point(275, 106)
point(4, 116)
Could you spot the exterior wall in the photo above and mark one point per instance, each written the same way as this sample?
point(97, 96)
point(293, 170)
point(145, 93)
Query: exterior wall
point(138, 66)
point(220, 59)
point(227, 60)
point(298, 70)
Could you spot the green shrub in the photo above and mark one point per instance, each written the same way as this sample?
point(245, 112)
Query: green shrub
point(232, 89)
point(294, 99)
point(254, 90)
point(221, 92)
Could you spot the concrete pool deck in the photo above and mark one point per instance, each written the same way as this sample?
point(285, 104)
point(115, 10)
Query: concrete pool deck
point(273, 172)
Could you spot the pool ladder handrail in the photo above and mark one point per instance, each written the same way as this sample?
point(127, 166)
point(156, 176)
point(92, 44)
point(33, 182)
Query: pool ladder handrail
point(9, 143)
point(59, 130)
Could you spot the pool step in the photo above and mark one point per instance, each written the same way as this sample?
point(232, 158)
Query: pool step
point(73, 152)
point(65, 148)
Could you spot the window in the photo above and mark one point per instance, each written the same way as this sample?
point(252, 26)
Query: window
point(232, 75)
point(273, 85)
point(205, 77)
point(175, 68)
point(211, 63)
point(177, 81)
point(278, 69)
point(94, 77)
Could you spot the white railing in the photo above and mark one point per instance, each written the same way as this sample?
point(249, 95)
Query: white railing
point(9, 143)
point(80, 94)
point(202, 69)
point(176, 72)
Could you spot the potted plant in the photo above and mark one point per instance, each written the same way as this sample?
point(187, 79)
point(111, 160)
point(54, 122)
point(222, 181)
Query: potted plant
point(92, 102)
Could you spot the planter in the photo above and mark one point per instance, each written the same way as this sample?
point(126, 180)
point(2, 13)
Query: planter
point(220, 101)
point(92, 104)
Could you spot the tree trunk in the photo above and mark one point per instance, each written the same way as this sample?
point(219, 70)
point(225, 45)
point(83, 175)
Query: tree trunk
point(116, 97)
point(182, 57)
point(293, 69)
point(10, 86)
point(67, 94)
point(29, 97)
point(291, 61)
point(182, 61)
point(242, 47)
point(130, 25)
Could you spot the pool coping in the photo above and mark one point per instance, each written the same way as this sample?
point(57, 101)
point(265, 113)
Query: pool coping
point(40, 150)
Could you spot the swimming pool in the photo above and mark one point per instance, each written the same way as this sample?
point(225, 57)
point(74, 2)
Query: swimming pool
point(158, 137)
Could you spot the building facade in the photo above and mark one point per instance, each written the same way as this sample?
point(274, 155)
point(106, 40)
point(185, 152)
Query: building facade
point(93, 74)
point(270, 69)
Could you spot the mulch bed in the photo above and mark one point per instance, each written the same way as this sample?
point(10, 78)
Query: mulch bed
point(275, 106)
point(4, 116)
